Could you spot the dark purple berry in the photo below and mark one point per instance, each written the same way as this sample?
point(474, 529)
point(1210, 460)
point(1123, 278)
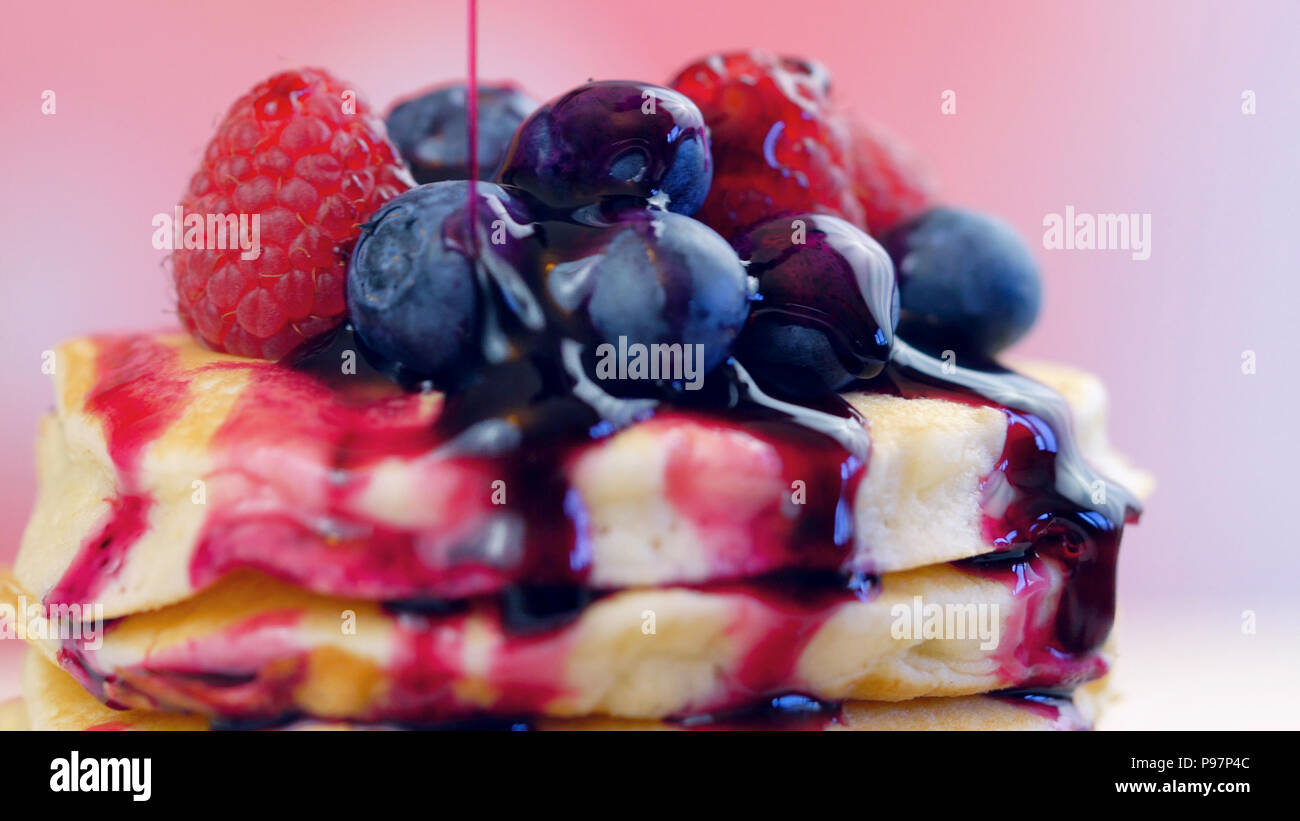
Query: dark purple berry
point(653, 277)
point(613, 139)
point(827, 304)
point(414, 298)
point(967, 282)
point(429, 130)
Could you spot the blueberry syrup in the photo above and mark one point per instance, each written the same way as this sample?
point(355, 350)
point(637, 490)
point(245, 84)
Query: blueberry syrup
point(1043, 523)
point(1051, 501)
point(544, 589)
point(253, 669)
point(1052, 704)
point(782, 712)
point(471, 112)
point(536, 406)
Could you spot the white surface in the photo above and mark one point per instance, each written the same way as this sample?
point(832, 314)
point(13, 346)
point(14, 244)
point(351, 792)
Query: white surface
point(1187, 665)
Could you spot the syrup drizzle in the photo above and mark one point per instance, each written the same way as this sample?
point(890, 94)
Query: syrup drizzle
point(254, 668)
point(1054, 502)
point(471, 118)
point(545, 589)
point(916, 374)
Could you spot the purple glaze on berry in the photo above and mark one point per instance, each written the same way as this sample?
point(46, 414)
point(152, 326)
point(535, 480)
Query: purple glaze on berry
point(826, 306)
point(414, 292)
point(652, 277)
point(613, 139)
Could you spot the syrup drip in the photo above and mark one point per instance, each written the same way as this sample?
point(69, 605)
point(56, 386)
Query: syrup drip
point(546, 590)
point(251, 669)
point(471, 111)
point(535, 404)
point(1057, 503)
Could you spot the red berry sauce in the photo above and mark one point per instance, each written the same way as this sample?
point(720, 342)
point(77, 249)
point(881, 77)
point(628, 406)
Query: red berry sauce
point(1044, 521)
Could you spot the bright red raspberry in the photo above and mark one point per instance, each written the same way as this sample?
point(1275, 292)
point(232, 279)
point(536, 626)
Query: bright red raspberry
point(777, 147)
point(890, 182)
point(306, 155)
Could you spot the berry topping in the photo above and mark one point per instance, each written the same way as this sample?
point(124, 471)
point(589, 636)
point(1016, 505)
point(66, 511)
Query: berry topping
point(967, 282)
point(827, 304)
point(613, 139)
point(890, 182)
point(306, 163)
point(654, 278)
point(429, 130)
point(413, 292)
point(776, 145)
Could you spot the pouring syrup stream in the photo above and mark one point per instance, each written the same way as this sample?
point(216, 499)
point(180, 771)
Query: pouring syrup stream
point(471, 120)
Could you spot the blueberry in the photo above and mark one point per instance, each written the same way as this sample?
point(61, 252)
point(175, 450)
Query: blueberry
point(653, 277)
point(613, 139)
point(827, 304)
point(413, 294)
point(967, 282)
point(429, 130)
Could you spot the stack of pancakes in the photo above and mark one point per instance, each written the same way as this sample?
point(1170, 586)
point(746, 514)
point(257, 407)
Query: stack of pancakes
point(279, 547)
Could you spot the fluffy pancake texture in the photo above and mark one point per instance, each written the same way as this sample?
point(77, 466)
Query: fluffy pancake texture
point(268, 542)
point(166, 466)
point(13, 714)
point(252, 647)
point(55, 701)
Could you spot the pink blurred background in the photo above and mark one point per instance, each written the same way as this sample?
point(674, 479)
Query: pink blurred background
point(1108, 106)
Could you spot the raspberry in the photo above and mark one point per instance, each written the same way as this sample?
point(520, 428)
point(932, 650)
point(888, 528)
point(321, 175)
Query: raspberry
point(777, 146)
point(890, 182)
point(306, 155)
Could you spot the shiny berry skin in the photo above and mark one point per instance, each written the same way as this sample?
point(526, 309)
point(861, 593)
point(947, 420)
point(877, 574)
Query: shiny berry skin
point(289, 153)
point(778, 148)
point(613, 139)
point(967, 282)
point(413, 296)
point(827, 304)
point(430, 130)
point(889, 181)
point(653, 277)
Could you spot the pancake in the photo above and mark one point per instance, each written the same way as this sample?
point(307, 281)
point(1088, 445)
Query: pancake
point(254, 648)
point(166, 466)
point(13, 714)
point(56, 702)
